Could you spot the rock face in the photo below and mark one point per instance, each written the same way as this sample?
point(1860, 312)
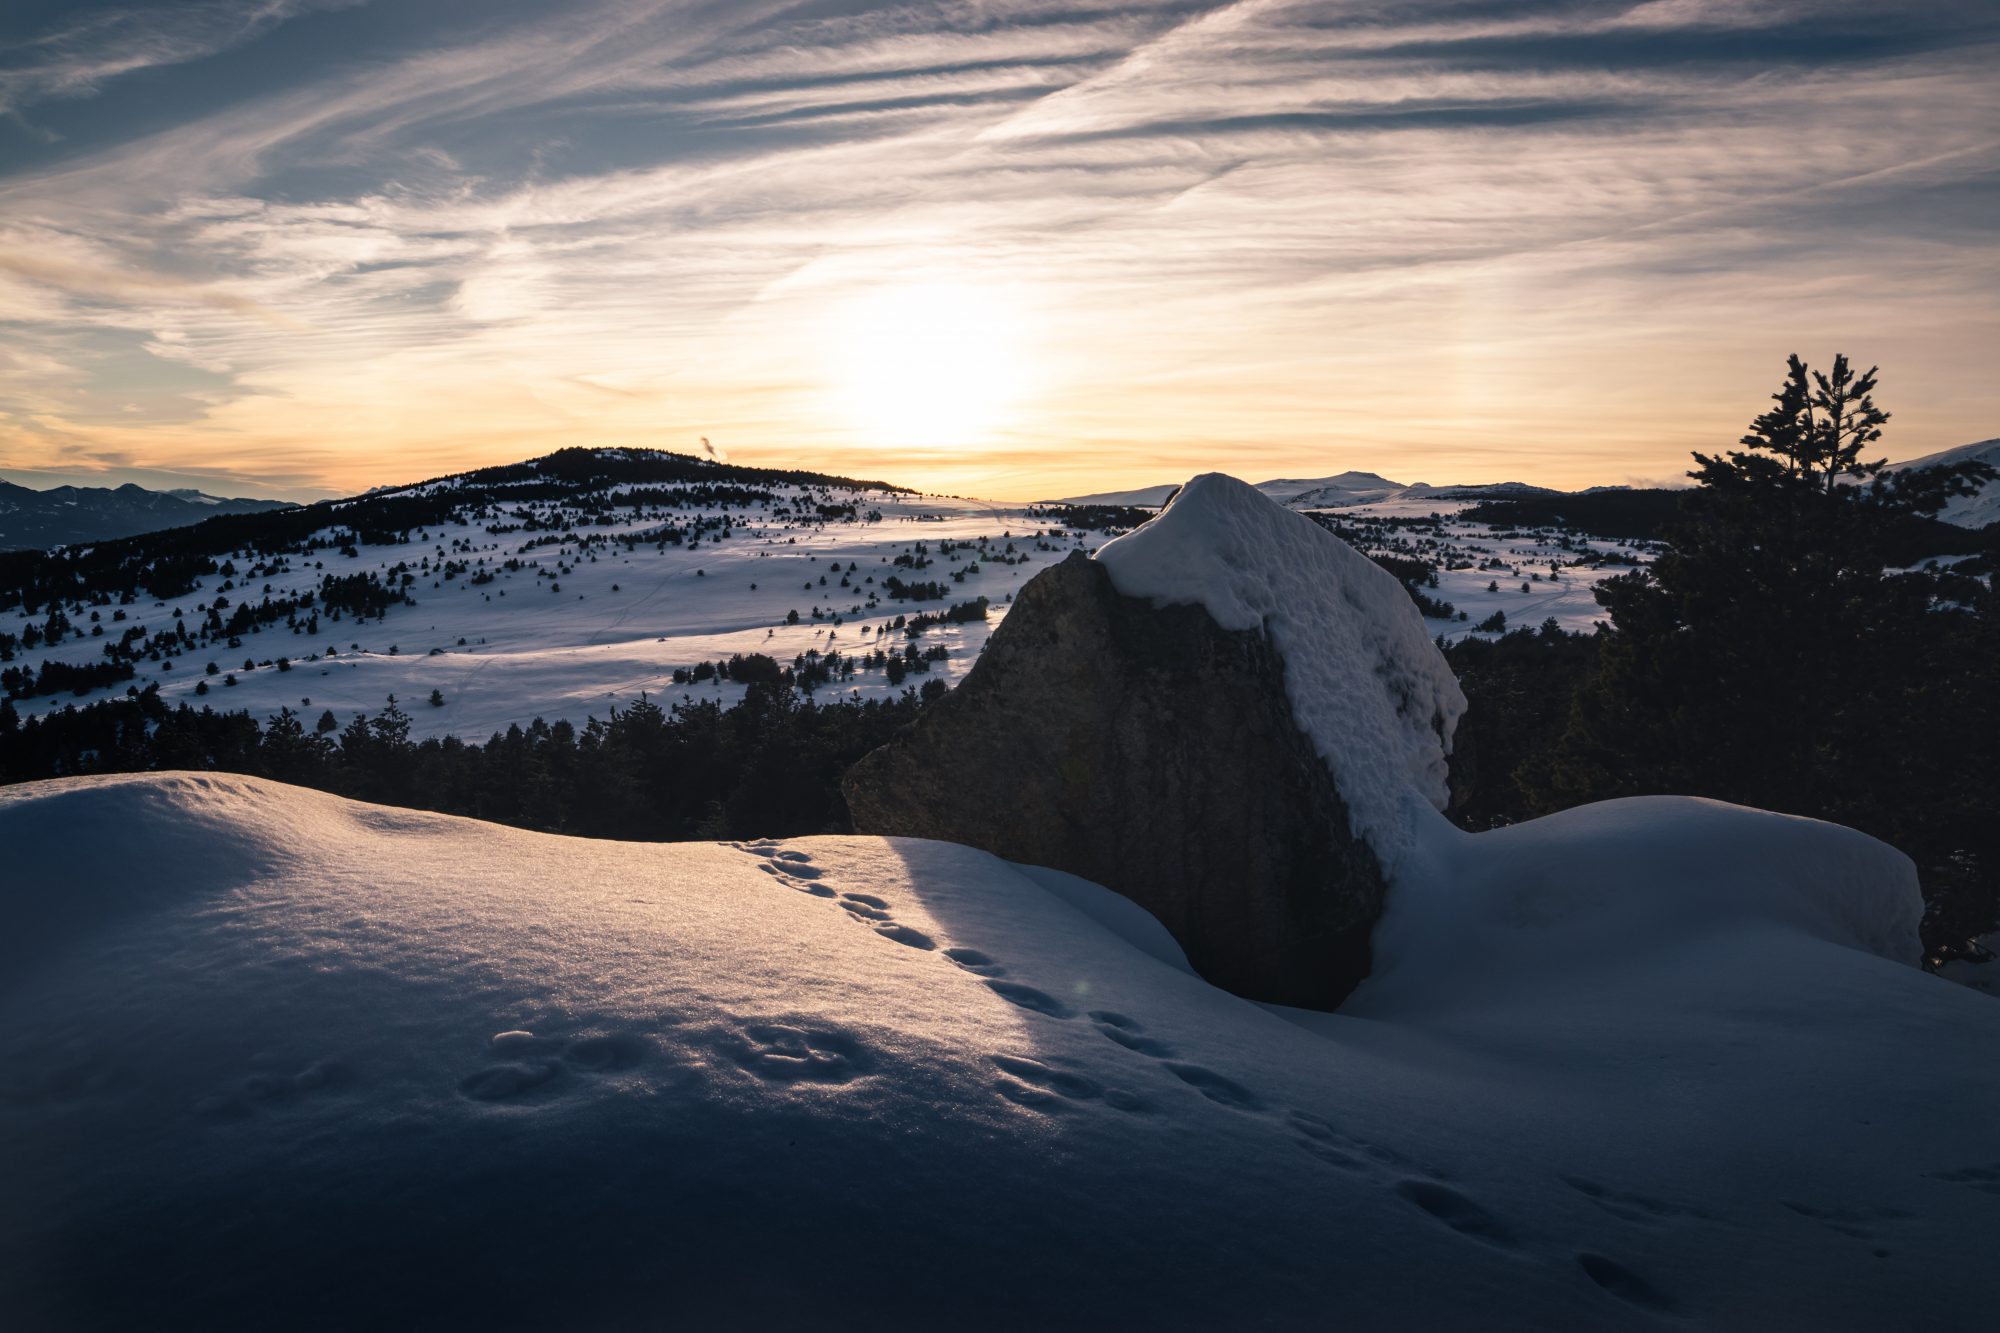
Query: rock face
point(1154, 752)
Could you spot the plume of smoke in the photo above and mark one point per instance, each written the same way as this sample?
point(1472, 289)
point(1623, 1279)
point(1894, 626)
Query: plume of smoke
point(712, 451)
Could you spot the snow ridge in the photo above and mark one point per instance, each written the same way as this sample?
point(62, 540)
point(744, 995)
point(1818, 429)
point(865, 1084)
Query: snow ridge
point(1366, 684)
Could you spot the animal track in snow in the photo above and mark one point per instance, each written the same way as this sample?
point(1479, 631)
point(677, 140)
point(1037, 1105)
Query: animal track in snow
point(974, 961)
point(1622, 1282)
point(916, 939)
point(1127, 1033)
point(861, 910)
point(782, 1053)
point(1320, 1139)
point(1215, 1087)
point(1456, 1211)
point(538, 1062)
point(1040, 1086)
point(1028, 997)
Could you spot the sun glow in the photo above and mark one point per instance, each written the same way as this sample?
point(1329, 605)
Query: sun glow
point(929, 364)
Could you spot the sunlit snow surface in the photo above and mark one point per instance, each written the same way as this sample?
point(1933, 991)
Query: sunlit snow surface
point(269, 1058)
point(620, 626)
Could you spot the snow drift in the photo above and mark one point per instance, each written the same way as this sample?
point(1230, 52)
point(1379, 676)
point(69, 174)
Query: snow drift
point(272, 1058)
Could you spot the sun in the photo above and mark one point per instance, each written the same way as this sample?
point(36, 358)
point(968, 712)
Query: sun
point(928, 364)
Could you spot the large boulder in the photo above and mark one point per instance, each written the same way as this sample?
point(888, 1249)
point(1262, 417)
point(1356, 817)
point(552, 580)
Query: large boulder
point(1154, 752)
point(1132, 738)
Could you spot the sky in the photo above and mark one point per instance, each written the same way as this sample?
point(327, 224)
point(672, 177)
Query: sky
point(1007, 248)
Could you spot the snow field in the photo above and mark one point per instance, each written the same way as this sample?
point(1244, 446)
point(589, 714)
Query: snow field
point(266, 1050)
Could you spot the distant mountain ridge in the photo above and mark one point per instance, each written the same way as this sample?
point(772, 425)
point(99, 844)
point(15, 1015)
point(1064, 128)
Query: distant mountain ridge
point(32, 520)
point(1367, 488)
point(1346, 488)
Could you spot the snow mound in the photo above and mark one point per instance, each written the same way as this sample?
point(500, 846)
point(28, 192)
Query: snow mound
point(1596, 896)
point(1365, 681)
point(267, 1055)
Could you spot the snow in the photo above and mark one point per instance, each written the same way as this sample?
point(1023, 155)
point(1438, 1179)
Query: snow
point(1366, 684)
point(624, 622)
point(506, 652)
point(1634, 886)
point(1967, 511)
point(270, 1056)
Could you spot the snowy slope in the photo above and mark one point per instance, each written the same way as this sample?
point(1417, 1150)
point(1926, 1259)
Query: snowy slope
point(1144, 497)
point(542, 607)
point(571, 631)
point(273, 1059)
point(1971, 511)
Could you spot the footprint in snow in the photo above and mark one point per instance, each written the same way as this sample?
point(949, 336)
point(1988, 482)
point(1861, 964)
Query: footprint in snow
point(1223, 1091)
point(974, 961)
point(533, 1062)
point(783, 1053)
point(1128, 1033)
point(1028, 997)
point(1456, 1211)
point(1621, 1282)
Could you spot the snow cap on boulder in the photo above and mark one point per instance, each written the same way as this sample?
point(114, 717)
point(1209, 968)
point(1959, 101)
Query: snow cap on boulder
point(1367, 686)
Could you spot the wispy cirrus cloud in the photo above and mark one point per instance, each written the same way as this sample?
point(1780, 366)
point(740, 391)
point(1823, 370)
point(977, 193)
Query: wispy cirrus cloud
point(1435, 239)
point(77, 55)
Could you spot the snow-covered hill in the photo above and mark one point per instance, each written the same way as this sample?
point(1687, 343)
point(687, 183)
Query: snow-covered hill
point(1970, 511)
point(272, 1058)
point(560, 597)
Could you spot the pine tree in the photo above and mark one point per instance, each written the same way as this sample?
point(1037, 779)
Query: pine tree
point(1774, 656)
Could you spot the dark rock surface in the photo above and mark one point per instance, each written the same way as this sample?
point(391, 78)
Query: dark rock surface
point(1153, 752)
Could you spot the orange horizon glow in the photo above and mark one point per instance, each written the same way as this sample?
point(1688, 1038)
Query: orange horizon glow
point(1021, 257)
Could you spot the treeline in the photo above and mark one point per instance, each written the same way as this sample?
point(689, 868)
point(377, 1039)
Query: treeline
point(1780, 653)
point(1658, 515)
point(769, 767)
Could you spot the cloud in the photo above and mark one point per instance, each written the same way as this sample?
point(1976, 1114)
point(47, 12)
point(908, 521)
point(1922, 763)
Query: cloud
point(123, 285)
point(1454, 240)
point(79, 58)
